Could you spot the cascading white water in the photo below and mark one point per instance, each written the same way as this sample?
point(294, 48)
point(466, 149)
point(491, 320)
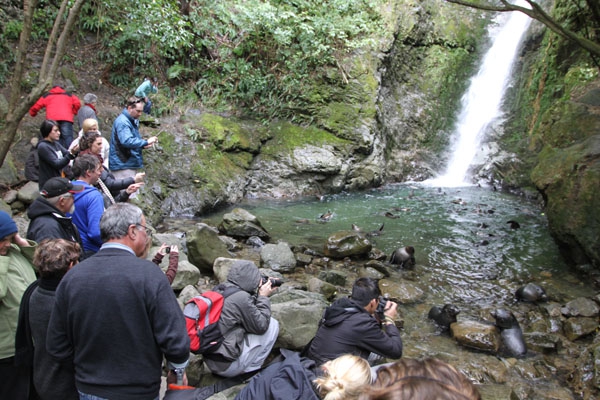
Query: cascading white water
point(482, 101)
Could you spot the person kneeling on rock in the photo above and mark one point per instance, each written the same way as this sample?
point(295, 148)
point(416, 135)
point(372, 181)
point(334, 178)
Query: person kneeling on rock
point(246, 324)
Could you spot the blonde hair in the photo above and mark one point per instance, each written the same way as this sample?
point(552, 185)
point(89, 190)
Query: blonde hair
point(420, 380)
point(344, 378)
point(88, 123)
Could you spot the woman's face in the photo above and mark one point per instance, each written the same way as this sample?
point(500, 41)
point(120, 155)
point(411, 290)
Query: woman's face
point(92, 127)
point(96, 147)
point(54, 135)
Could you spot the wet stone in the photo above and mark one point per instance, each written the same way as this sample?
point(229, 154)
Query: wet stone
point(581, 307)
point(578, 327)
point(476, 335)
point(303, 259)
point(334, 277)
point(543, 342)
point(369, 272)
point(318, 286)
point(402, 292)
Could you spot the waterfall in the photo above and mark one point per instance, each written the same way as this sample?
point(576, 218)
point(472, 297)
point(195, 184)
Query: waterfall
point(481, 104)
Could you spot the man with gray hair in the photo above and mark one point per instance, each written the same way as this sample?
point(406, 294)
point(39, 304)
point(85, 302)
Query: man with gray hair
point(47, 214)
point(88, 110)
point(116, 315)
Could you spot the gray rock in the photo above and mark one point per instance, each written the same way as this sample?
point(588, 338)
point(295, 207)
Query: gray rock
point(5, 207)
point(204, 247)
point(543, 342)
point(347, 243)
point(29, 192)
point(303, 259)
point(298, 313)
point(187, 274)
point(10, 196)
point(240, 223)
point(581, 307)
point(186, 294)
point(334, 277)
point(316, 159)
point(476, 335)
point(369, 272)
point(316, 285)
point(278, 257)
point(402, 292)
point(578, 327)
point(8, 171)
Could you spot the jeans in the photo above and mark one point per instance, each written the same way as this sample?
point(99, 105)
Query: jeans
point(148, 107)
point(66, 133)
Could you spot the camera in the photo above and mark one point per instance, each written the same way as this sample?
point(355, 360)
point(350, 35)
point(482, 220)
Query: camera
point(379, 311)
point(167, 250)
point(275, 282)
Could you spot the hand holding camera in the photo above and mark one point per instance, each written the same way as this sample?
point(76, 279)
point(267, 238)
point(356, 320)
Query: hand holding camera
point(268, 285)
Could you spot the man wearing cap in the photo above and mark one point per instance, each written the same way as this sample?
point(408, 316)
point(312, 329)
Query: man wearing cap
point(16, 273)
point(48, 212)
point(89, 204)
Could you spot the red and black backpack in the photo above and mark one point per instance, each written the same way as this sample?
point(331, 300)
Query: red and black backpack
point(202, 314)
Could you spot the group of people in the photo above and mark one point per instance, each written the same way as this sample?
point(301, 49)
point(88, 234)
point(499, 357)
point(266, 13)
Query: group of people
point(84, 315)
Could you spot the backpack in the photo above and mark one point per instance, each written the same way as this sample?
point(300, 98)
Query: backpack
point(202, 314)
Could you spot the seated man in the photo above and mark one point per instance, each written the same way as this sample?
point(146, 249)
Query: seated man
point(348, 326)
point(249, 331)
point(47, 214)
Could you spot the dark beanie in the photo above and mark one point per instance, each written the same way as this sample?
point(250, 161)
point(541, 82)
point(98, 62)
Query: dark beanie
point(7, 225)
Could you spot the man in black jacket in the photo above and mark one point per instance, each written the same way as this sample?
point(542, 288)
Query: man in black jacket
point(47, 213)
point(348, 326)
point(116, 316)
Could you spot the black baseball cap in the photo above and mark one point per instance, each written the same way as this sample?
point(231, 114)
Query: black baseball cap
point(57, 186)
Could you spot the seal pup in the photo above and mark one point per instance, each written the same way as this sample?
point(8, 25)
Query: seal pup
point(531, 293)
point(513, 224)
point(444, 316)
point(404, 257)
point(513, 343)
point(326, 217)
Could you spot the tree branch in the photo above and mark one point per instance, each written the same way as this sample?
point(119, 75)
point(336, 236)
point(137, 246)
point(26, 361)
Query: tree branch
point(535, 12)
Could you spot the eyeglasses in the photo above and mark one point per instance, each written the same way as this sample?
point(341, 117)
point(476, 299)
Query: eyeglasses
point(149, 230)
point(66, 195)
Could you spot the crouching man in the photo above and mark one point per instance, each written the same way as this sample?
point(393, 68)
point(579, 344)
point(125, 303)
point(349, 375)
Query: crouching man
point(249, 331)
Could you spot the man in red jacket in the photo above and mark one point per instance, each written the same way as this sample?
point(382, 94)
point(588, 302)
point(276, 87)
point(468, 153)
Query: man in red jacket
point(60, 106)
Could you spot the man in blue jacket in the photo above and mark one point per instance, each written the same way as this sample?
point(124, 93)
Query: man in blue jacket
point(116, 316)
point(89, 204)
point(126, 143)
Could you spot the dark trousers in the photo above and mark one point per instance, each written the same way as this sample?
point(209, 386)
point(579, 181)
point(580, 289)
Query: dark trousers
point(15, 383)
point(66, 133)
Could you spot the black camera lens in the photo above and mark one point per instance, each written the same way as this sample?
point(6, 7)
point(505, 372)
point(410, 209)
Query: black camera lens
point(167, 250)
point(275, 282)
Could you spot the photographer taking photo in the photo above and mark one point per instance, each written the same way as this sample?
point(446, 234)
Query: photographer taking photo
point(349, 326)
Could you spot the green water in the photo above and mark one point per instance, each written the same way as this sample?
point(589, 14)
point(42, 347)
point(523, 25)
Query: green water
point(448, 228)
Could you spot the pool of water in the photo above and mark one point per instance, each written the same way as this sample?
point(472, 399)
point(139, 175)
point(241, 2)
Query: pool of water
point(466, 251)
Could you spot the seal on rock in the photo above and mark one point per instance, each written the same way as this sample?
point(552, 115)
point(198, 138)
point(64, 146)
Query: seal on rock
point(513, 343)
point(404, 257)
point(531, 293)
point(444, 316)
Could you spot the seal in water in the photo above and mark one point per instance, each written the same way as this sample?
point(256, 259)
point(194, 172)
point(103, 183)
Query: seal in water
point(444, 316)
point(404, 257)
point(513, 343)
point(531, 293)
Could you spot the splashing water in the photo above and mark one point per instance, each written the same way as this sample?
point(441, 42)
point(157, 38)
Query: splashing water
point(481, 105)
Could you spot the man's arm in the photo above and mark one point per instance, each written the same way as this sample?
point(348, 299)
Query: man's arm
point(128, 138)
point(256, 315)
point(95, 211)
point(373, 339)
point(41, 103)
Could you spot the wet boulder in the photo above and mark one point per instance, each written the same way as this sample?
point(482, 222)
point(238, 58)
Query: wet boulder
point(403, 292)
point(337, 278)
point(187, 274)
point(240, 223)
point(298, 313)
point(370, 272)
point(278, 257)
point(346, 244)
point(578, 327)
point(315, 285)
point(543, 342)
point(581, 307)
point(204, 247)
point(477, 335)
